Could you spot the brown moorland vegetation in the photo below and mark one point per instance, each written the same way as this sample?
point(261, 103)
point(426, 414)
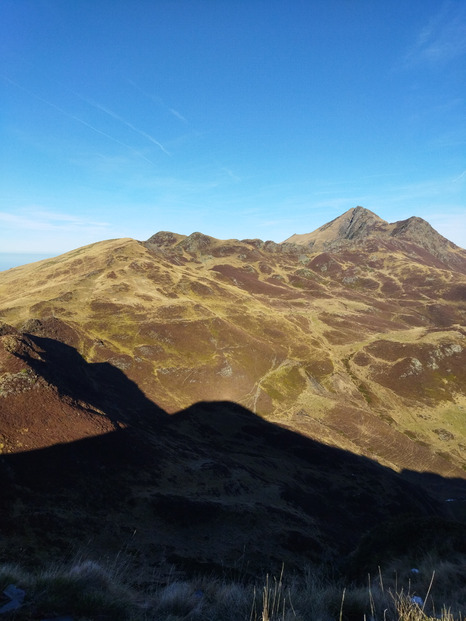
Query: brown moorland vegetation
point(210, 405)
point(352, 335)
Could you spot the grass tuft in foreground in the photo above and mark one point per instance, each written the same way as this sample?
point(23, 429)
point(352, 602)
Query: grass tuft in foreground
point(88, 591)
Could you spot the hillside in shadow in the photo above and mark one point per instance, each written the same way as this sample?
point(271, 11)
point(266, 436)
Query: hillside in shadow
point(208, 488)
point(103, 386)
point(49, 394)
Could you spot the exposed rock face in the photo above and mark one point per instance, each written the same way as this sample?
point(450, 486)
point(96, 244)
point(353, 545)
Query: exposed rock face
point(356, 223)
point(164, 238)
point(196, 242)
point(361, 225)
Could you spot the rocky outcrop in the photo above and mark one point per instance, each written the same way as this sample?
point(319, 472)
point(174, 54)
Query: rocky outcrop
point(359, 225)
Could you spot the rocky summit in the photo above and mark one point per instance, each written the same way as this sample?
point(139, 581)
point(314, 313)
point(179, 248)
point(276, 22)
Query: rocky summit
point(225, 402)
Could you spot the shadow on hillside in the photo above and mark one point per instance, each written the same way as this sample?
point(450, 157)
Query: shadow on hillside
point(101, 385)
point(212, 487)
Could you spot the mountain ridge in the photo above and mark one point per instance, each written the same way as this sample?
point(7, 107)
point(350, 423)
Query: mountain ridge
point(240, 385)
point(359, 224)
point(356, 225)
point(355, 222)
point(180, 316)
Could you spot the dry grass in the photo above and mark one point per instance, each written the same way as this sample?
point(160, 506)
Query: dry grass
point(87, 591)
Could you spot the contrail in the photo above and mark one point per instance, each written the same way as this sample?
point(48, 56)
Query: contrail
point(460, 176)
point(125, 122)
point(159, 101)
point(177, 114)
point(76, 118)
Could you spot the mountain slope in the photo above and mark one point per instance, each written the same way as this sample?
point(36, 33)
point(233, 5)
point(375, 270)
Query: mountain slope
point(360, 346)
point(355, 223)
point(358, 225)
point(214, 487)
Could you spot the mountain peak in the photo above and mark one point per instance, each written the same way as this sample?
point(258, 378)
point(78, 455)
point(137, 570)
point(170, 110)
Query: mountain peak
point(413, 226)
point(164, 239)
point(356, 223)
point(359, 224)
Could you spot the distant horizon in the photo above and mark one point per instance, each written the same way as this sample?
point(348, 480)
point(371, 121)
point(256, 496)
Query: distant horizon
point(8, 260)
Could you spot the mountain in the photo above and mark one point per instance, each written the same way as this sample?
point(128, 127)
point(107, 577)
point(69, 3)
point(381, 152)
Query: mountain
point(243, 380)
point(211, 488)
point(358, 225)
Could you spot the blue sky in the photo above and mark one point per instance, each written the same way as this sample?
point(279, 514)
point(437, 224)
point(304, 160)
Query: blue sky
point(237, 118)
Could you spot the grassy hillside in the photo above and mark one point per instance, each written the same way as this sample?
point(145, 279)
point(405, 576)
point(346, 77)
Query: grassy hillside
point(362, 348)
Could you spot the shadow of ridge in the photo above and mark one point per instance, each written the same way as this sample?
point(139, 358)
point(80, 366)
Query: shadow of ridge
point(215, 481)
point(100, 384)
point(230, 421)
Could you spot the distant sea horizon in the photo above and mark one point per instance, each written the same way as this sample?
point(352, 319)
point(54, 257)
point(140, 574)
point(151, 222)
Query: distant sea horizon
point(15, 259)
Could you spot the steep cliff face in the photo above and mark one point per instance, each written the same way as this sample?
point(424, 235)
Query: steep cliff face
point(360, 224)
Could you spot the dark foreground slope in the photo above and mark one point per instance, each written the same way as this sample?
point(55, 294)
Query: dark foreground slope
point(211, 487)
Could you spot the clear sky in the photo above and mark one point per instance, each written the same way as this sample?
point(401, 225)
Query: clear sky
point(236, 118)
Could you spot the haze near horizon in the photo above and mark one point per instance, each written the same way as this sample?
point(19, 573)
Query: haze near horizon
point(259, 119)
